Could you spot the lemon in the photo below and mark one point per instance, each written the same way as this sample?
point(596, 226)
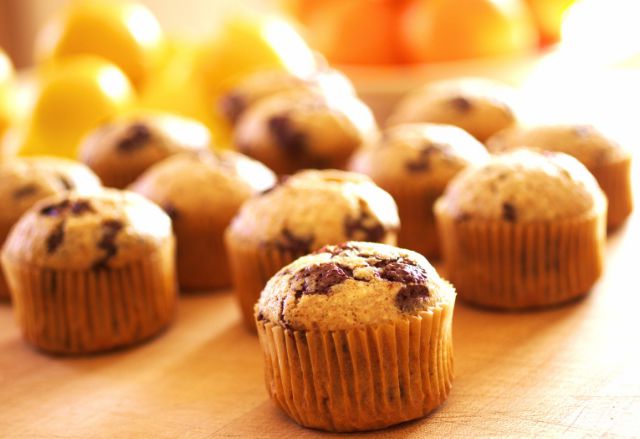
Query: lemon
point(6, 95)
point(247, 43)
point(179, 88)
point(73, 95)
point(125, 33)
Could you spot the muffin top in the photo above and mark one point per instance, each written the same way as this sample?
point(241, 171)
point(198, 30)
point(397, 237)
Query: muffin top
point(262, 84)
point(316, 208)
point(24, 181)
point(352, 285)
point(206, 183)
point(479, 106)
point(297, 130)
point(77, 232)
point(420, 154)
point(129, 145)
point(523, 186)
point(585, 142)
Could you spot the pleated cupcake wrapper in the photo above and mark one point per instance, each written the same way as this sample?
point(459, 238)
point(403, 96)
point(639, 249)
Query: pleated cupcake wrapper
point(360, 379)
point(71, 312)
point(202, 265)
point(615, 181)
point(417, 223)
point(251, 268)
point(522, 265)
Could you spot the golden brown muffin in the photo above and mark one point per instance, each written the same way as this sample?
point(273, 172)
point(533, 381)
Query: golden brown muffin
point(299, 130)
point(525, 230)
point(373, 318)
point(305, 212)
point(603, 156)
point(414, 163)
point(202, 192)
point(262, 84)
point(481, 107)
point(91, 273)
point(24, 181)
point(121, 150)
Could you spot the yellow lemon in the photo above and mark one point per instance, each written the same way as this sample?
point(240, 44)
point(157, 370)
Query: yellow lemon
point(179, 88)
point(73, 95)
point(246, 43)
point(6, 92)
point(125, 33)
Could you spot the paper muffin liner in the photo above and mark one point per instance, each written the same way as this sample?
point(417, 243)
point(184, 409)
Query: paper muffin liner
point(364, 378)
point(201, 257)
point(85, 311)
point(514, 266)
point(251, 267)
point(615, 181)
point(418, 230)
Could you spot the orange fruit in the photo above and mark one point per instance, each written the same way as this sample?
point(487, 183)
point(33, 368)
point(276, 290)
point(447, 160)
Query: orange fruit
point(548, 15)
point(356, 31)
point(446, 30)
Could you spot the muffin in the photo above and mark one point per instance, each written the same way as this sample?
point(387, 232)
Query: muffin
point(298, 216)
point(202, 192)
point(414, 163)
point(120, 150)
point(91, 273)
point(525, 230)
point(357, 337)
point(481, 107)
point(303, 129)
point(262, 84)
point(24, 181)
point(603, 156)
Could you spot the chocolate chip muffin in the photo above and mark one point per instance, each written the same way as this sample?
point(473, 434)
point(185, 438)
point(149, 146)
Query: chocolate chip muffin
point(91, 273)
point(357, 337)
point(202, 192)
point(481, 107)
point(301, 214)
point(414, 163)
point(303, 129)
point(525, 230)
point(263, 84)
point(604, 157)
point(122, 149)
point(24, 181)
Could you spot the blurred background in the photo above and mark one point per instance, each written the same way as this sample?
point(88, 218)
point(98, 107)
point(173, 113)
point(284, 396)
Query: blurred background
point(572, 59)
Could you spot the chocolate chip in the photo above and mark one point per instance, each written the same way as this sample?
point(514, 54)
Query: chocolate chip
point(138, 135)
point(286, 136)
point(509, 212)
point(232, 106)
point(402, 271)
point(171, 210)
point(25, 191)
point(81, 207)
point(365, 227)
point(110, 229)
point(54, 240)
point(421, 163)
point(290, 242)
point(463, 216)
point(461, 104)
point(319, 278)
point(410, 296)
point(55, 209)
point(65, 182)
point(260, 316)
